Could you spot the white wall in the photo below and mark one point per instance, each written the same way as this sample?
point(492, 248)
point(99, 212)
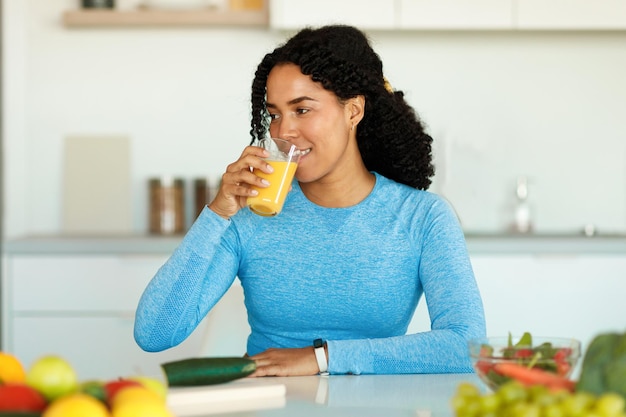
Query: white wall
point(549, 105)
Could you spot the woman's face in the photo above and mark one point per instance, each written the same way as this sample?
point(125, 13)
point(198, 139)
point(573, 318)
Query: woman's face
point(314, 120)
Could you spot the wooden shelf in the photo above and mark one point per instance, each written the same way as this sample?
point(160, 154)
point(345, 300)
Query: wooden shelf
point(154, 17)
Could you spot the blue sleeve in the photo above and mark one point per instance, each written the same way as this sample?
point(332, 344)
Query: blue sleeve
point(454, 305)
point(187, 286)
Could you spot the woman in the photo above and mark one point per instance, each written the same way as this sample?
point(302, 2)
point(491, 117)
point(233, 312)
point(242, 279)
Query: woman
point(359, 240)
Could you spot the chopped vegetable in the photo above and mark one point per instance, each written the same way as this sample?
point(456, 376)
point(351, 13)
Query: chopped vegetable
point(533, 376)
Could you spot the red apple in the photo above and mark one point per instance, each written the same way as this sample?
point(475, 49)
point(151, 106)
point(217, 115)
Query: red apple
point(21, 397)
point(112, 387)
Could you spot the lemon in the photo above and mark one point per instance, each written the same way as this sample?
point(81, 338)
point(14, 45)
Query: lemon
point(76, 405)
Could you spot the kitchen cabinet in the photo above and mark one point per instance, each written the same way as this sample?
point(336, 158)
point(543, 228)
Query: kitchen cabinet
point(452, 14)
point(379, 15)
point(82, 308)
point(571, 14)
point(295, 14)
point(455, 14)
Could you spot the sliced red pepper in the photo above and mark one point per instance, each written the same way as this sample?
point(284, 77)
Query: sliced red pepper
point(562, 354)
point(524, 353)
point(563, 368)
point(484, 367)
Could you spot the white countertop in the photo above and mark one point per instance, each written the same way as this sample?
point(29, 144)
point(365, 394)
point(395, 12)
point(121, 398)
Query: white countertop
point(476, 243)
point(362, 396)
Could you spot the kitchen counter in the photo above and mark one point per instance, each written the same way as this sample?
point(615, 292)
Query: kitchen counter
point(477, 243)
point(361, 395)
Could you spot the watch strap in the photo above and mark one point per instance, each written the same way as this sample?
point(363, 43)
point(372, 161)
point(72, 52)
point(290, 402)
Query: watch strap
point(320, 355)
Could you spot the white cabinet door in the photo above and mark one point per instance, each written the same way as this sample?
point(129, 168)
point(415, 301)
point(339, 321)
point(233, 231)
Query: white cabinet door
point(82, 308)
point(552, 295)
point(571, 14)
point(296, 14)
point(97, 347)
point(455, 14)
point(80, 283)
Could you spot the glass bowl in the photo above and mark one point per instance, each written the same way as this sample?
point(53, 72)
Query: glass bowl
point(556, 355)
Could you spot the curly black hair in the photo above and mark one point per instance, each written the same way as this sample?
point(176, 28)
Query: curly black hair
point(391, 137)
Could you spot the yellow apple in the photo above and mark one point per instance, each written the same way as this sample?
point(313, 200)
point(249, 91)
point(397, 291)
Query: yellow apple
point(153, 384)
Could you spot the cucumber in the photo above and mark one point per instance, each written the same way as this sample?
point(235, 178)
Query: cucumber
point(207, 371)
point(19, 414)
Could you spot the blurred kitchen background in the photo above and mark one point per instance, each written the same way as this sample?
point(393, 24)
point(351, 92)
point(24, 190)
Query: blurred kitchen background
point(529, 92)
point(548, 105)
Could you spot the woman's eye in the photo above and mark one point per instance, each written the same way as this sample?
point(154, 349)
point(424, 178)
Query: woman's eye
point(302, 111)
point(273, 116)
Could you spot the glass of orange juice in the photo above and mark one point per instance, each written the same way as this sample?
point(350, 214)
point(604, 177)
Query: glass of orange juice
point(283, 157)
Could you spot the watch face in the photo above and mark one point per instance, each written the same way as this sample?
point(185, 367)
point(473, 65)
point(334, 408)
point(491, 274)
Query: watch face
point(318, 343)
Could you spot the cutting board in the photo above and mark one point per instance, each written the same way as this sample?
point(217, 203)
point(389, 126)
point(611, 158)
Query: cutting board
point(96, 185)
point(240, 395)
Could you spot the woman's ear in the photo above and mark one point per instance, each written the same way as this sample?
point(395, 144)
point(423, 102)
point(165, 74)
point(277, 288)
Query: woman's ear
point(356, 108)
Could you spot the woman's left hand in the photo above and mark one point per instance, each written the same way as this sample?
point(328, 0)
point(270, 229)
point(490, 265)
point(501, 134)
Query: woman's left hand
point(286, 362)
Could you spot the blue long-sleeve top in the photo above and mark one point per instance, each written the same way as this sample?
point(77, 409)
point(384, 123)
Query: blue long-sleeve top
point(351, 276)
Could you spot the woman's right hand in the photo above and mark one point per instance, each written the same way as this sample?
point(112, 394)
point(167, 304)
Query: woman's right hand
point(237, 182)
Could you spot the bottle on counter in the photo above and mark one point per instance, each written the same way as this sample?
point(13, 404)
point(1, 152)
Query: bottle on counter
point(522, 222)
point(98, 4)
point(202, 194)
point(167, 205)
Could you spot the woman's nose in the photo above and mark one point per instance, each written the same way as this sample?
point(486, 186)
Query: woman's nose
point(286, 129)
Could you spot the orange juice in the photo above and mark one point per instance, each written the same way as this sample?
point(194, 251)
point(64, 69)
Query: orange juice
point(270, 200)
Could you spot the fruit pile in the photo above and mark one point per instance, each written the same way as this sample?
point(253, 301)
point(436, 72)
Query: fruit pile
point(514, 399)
point(50, 388)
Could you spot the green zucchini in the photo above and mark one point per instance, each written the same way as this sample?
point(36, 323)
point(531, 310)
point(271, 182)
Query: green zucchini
point(19, 414)
point(207, 371)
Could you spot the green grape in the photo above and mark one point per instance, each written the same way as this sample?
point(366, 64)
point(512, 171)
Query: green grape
point(609, 405)
point(523, 409)
point(466, 402)
point(553, 410)
point(512, 392)
point(516, 400)
point(540, 395)
point(458, 403)
point(467, 389)
point(577, 404)
point(536, 390)
point(469, 407)
point(489, 403)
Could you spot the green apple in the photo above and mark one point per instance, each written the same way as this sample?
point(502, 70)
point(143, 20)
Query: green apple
point(52, 376)
point(152, 384)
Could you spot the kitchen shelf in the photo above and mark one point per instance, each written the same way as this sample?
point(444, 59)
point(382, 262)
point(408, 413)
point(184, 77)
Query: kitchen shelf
point(157, 17)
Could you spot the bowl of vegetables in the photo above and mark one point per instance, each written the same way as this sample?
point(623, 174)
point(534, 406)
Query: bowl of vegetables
point(530, 360)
